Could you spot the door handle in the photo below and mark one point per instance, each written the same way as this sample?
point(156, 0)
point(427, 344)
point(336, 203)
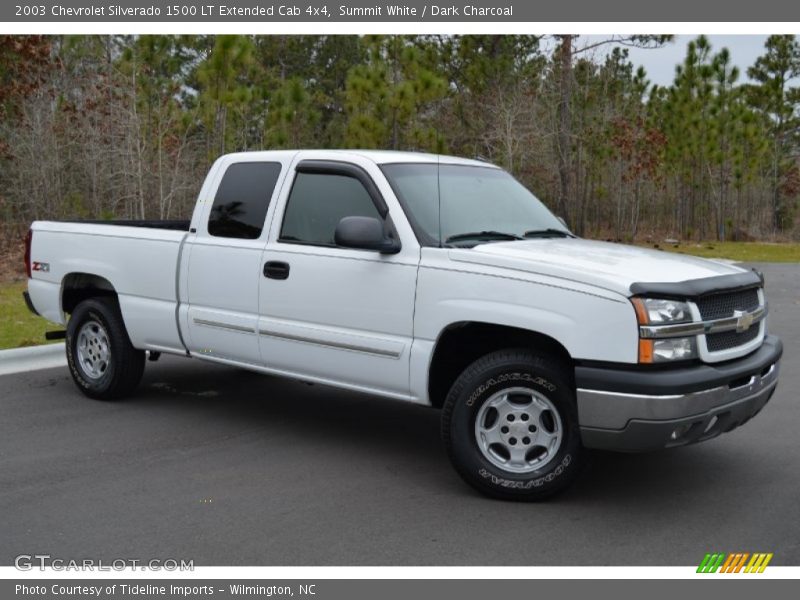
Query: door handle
point(275, 269)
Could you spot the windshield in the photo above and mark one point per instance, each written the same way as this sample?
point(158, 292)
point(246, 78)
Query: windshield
point(478, 204)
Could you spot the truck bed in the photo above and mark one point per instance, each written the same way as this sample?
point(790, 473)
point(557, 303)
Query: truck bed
point(139, 260)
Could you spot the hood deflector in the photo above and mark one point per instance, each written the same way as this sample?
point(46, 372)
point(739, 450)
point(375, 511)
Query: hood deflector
point(694, 288)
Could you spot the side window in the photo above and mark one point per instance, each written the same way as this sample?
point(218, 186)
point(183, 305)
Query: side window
point(318, 202)
point(242, 199)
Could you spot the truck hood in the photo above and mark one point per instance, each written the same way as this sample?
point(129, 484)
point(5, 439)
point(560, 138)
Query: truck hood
point(602, 264)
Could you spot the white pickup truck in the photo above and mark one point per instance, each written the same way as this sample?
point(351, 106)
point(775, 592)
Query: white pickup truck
point(425, 278)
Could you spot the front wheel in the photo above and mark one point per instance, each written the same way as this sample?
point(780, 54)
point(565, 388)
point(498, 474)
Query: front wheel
point(510, 426)
point(103, 362)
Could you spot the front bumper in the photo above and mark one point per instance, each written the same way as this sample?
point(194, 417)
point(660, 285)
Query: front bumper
point(634, 409)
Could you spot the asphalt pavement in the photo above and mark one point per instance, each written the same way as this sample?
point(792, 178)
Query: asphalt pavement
point(227, 467)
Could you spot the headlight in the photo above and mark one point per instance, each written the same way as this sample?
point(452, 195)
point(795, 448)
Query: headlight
point(654, 311)
point(651, 311)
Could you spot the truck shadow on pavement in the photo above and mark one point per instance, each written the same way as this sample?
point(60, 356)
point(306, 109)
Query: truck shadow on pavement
point(398, 434)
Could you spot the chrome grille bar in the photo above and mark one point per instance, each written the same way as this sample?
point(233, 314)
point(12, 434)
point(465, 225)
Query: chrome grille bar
point(739, 322)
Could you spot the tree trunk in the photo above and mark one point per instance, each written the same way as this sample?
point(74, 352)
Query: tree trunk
point(565, 127)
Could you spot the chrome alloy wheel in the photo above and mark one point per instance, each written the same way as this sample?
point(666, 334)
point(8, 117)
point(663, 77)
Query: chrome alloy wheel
point(518, 430)
point(94, 352)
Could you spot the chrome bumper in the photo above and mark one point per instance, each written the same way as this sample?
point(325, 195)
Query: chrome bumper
point(633, 422)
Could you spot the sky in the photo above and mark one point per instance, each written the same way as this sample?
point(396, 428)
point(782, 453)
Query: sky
point(660, 63)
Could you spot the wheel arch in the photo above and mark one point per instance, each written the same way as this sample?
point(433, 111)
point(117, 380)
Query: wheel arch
point(461, 343)
point(77, 287)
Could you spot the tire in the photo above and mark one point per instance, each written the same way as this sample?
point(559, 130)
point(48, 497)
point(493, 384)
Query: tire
point(101, 359)
point(510, 426)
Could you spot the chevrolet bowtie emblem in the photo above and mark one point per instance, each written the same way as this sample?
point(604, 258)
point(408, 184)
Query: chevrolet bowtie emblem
point(743, 320)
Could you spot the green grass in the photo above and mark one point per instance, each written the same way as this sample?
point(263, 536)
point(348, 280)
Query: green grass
point(740, 251)
point(19, 326)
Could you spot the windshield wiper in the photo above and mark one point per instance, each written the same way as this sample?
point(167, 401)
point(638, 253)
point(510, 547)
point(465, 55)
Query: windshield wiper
point(549, 232)
point(489, 235)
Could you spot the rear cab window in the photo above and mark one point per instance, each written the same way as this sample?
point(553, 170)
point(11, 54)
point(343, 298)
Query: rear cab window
point(242, 199)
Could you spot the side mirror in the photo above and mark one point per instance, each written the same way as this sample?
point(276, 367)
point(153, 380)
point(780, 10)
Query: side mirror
point(364, 233)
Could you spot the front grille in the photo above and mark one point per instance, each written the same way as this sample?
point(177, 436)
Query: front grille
point(722, 305)
point(731, 339)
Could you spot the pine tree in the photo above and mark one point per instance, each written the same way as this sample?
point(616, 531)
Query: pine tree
point(778, 101)
point(226, 90)
point(389, 96)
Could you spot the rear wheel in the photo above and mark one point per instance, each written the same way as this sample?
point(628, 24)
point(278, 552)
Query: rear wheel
point(103, 362)
point(510, 426)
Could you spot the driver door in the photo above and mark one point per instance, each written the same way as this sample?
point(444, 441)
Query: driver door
point(328, 313)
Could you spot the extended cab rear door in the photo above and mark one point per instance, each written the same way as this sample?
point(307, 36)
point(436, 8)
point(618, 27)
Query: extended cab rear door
point(223, 256)
point(329, 313)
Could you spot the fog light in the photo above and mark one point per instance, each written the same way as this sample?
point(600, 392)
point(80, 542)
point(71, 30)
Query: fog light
point(681, 431)
point(674, 349)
